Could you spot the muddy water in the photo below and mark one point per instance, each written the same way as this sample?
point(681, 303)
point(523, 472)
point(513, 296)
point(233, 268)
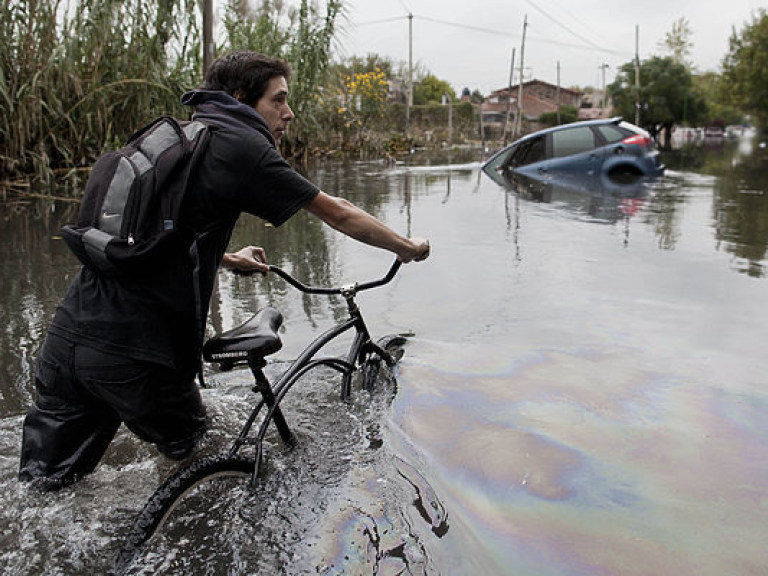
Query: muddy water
point(585, 392)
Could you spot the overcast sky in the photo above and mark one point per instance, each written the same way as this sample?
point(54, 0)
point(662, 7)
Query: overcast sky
point(469, 42)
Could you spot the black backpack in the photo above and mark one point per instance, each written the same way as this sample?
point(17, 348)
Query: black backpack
point(129, 216)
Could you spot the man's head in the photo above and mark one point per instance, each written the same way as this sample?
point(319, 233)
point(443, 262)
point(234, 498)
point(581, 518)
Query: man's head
point(256, 80)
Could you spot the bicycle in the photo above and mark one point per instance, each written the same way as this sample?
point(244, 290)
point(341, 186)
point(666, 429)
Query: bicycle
point(251, 343)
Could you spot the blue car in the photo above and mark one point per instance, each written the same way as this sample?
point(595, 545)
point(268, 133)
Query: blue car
point(609, 147)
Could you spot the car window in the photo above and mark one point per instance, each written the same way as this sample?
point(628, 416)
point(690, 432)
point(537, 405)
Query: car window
point(536, 151)
point(529, 152)
point(518, 155)
point(572, 141)
point(612, 133)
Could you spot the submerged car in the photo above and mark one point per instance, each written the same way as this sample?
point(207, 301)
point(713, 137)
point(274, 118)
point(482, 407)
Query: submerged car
point(610, 147)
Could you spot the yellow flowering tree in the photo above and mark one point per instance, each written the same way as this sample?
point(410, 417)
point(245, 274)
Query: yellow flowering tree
point(365, 95)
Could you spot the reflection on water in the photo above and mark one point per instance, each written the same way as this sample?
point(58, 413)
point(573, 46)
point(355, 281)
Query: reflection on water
point(595, 196)
point(585, 393)
point(740, 209)
point(35, 270)
point(739, 172)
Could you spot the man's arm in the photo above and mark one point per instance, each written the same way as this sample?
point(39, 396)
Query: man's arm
point(358, 224)
point(347, 219)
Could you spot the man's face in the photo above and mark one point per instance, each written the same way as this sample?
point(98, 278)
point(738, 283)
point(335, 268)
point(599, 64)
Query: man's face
point(273, 107)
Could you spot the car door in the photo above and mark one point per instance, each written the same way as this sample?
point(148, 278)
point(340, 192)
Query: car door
point(577, 150)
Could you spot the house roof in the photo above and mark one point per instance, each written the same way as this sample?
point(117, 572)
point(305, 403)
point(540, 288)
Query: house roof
point(530, 83)
point(533, 106)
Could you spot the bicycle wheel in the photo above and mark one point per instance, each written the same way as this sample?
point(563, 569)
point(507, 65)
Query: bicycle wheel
point(184, 499)
point(394, 345)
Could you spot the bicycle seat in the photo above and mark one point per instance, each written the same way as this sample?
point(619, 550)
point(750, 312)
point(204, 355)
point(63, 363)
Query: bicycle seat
point(257, 336)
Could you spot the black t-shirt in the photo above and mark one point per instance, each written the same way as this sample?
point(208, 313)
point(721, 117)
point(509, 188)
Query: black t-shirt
point(160, 317)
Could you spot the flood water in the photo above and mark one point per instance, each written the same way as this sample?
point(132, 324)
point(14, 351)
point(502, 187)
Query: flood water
point(584, 394)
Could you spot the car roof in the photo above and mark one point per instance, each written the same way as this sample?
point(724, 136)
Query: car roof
point(598, 122)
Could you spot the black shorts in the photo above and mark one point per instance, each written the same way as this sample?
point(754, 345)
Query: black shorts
point(84, 394)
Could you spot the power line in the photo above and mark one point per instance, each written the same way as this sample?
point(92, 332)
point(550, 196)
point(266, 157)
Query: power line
point(513, 35)
point(570, 16)
point(504, 33)
point(566, 28)
point(385, 20)
point(468, 27)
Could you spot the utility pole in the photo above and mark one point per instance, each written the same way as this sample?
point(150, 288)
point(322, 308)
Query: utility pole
point(518, 120)
point(558, 93)
point(409, 94)
point(637, 75)
point(482, 124)
point(450, 118)
point(209, 49)
point(509, 95)
point(602, 97)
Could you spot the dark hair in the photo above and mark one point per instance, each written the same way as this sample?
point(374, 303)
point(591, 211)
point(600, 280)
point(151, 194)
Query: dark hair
point(244, 74)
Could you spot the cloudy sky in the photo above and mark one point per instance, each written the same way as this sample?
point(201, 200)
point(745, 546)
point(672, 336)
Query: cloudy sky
point(470, 42)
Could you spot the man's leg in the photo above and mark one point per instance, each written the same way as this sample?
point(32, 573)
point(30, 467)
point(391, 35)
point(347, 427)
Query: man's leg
point(65, 433)
point(177, 420)
point(159, 405)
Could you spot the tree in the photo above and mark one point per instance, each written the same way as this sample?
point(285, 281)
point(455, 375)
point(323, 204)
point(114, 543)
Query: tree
point(678, 42)
point(431, 89)
point(365, 96)
point(353, 101)
point(568, 114)
point(745, 69)
point(474, 96)
point(666, 97)
point(720, 112)
point(369, 63)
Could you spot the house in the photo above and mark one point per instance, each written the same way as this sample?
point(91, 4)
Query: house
point(591, 109)
point(538, 97)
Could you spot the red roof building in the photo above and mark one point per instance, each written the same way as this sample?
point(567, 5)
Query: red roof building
point(538, 97)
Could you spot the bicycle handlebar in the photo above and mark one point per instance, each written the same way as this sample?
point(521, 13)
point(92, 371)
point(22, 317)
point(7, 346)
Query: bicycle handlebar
point(319, 290)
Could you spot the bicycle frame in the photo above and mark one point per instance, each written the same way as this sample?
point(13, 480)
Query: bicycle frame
point(361, 347)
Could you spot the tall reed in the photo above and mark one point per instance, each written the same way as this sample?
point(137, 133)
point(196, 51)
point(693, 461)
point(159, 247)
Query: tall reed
point(79, 76)
point(75, 79)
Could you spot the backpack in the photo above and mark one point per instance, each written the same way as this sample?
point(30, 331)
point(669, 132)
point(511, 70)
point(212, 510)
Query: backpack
point(129, 215)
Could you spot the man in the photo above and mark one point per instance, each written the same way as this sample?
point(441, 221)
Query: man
point(125, 350)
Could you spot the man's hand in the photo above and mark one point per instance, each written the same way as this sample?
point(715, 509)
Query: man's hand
point(248, 259)
point(418, 250)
